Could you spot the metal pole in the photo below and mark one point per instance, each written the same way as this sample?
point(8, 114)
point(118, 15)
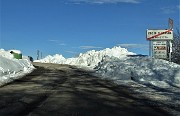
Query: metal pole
point(150, 49)
point(37, 54)
point(170, 50)
point(41, 55)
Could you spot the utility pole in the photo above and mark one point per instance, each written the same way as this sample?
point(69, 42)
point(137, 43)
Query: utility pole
point(170, 24)
point(170, 50)
point(41, 55)
point(37, 54)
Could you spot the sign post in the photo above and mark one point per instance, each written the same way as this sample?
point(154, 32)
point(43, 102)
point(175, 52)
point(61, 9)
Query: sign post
point(170, 50)
point(170, 24)
point(160, 41)
point(160, 45)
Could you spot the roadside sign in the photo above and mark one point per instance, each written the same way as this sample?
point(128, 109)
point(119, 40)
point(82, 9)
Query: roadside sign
point(159, 34)
point(159, 49)
point(170, 23)
point(160, 41)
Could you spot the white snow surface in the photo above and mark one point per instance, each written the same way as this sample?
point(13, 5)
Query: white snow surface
point(11, 69)
point(114, 64)
point(145, 70)
point(89, 59)
point(155, 79)
point(58, 59)
point(16, 51)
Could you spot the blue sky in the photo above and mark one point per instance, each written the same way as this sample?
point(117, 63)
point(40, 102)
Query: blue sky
point(69, 27)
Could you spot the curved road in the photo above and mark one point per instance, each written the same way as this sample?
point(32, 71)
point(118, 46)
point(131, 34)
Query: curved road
point(62, 90)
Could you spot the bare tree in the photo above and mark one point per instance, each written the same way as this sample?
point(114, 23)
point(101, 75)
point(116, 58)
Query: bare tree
point(176, 47)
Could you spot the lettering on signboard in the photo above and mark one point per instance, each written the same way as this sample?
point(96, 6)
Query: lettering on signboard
point(160, 49)
point(159, 34)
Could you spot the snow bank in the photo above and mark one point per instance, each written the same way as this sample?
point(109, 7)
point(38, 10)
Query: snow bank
point(58, 59)
point(92, 58)
point(6, 54)
point(11, 69)
point(114, 64)
point(88, 59)
point(144, 70)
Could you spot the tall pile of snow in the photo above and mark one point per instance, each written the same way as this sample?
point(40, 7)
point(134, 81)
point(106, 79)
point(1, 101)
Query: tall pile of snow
point(144, 70)
point(58, 59)
point(6, 54)
point(11, 69)
point(114, 64)
point(90, 58)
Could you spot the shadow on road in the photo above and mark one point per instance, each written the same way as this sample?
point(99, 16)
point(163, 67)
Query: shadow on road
point(62, 90)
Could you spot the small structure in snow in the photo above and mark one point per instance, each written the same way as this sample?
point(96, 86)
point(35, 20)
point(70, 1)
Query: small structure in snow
point(16, 53)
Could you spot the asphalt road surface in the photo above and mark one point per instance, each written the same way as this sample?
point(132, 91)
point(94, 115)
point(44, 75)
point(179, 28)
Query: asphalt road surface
point(62, 90)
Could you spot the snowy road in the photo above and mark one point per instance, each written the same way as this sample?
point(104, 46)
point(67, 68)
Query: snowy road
point(64, 90)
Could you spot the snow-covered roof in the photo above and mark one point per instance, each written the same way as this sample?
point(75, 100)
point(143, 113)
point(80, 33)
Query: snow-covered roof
point(15, 51)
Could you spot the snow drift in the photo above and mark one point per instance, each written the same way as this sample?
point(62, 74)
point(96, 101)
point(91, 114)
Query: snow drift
point(11, 69)
point(57, 59)
point(144, 70)
point(88, 59)
point(114, 64)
